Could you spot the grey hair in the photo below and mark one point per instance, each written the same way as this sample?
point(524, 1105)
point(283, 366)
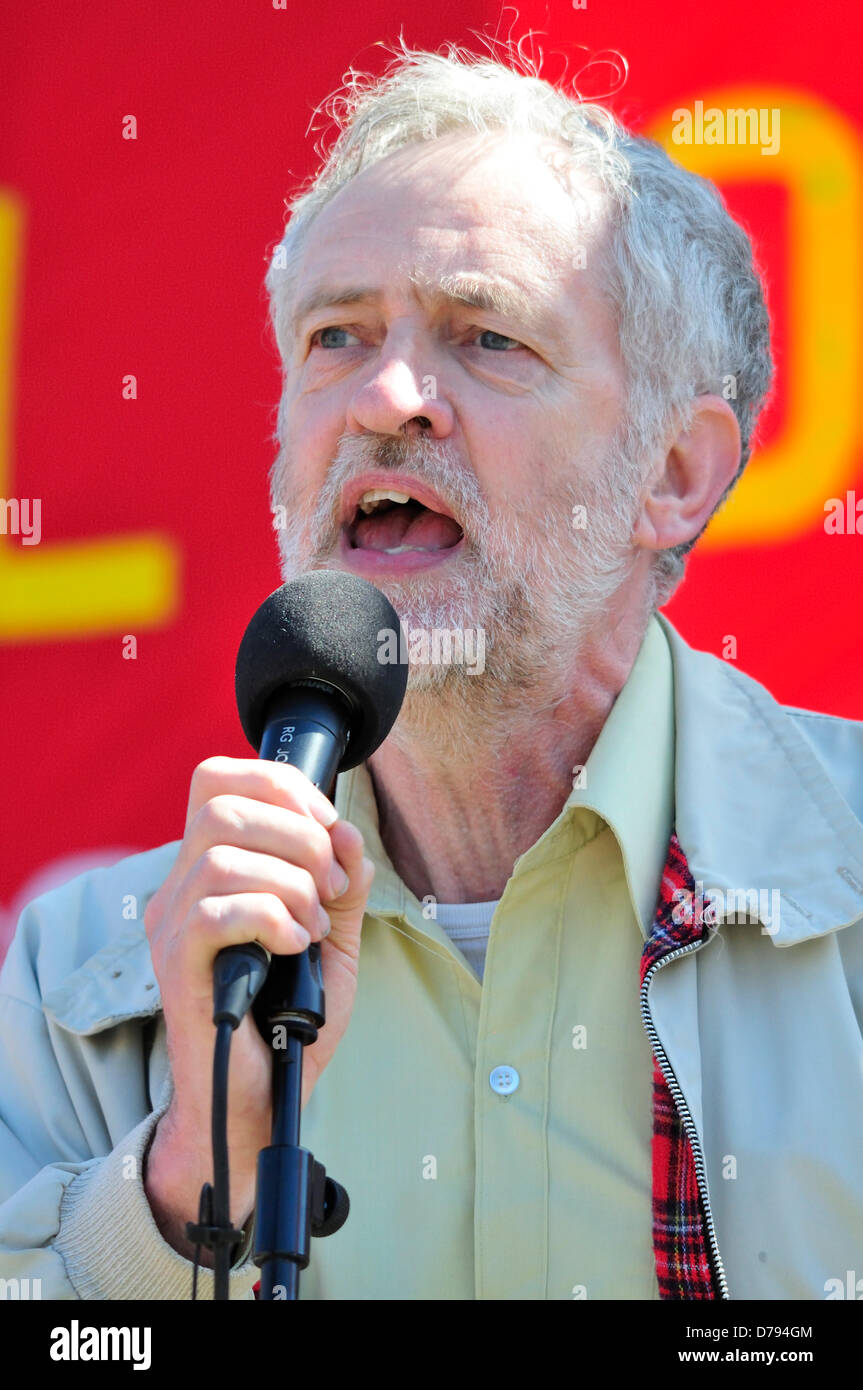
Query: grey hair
point(678, 270)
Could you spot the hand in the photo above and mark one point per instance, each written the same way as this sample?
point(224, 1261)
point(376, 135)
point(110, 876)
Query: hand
point(264, 858)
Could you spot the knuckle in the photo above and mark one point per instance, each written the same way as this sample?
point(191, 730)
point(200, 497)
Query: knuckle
point(204, 912)
point(217, 863)
point(203, 916)
point(219, 817)
point(204, 775)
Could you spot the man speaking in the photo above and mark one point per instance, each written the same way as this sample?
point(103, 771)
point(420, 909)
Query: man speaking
point(591, 915)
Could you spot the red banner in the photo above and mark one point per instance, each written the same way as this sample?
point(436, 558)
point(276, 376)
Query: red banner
point(146, 153)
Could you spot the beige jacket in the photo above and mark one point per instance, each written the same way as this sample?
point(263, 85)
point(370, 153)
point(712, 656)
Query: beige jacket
point(761, 1026)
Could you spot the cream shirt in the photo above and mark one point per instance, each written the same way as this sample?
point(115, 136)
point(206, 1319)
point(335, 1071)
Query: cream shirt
point(460, 1187)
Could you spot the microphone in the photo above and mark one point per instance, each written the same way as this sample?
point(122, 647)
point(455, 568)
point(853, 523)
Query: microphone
point(312, 692)
point(320, 634)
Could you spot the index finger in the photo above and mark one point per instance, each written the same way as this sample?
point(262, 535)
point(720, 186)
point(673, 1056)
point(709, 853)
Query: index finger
point(277, 784)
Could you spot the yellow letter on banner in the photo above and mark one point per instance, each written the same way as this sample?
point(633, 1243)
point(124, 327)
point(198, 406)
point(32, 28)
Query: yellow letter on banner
point(784, 488)
point(69, 588)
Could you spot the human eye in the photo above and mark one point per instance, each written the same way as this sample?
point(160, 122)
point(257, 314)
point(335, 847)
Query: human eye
point(502, 343)
point(317, 338)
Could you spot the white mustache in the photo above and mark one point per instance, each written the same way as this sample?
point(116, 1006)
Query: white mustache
point(428, 460)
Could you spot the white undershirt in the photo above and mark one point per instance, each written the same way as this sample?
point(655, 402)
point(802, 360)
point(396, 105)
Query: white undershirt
point(467, 926)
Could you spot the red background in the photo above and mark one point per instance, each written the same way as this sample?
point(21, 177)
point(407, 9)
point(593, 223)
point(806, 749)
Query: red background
point(148, 257)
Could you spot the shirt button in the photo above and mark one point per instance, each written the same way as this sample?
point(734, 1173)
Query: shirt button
point(504, 1080)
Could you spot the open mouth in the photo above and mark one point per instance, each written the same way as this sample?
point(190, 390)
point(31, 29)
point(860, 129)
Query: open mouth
point(391, 522)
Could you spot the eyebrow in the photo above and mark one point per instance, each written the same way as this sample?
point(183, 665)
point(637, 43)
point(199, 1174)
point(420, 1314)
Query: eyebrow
point(469, 291)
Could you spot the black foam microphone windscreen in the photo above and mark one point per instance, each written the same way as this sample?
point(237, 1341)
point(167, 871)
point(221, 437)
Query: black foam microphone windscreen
point(324, 626)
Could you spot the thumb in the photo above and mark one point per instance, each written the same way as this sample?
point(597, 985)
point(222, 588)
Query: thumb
point(346, 912)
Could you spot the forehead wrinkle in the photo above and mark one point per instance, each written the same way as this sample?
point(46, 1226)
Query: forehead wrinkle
point(489, 295)
point(475, 291)
point(470, 290)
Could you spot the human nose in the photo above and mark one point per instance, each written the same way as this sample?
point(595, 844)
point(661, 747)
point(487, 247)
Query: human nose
point(399, 398)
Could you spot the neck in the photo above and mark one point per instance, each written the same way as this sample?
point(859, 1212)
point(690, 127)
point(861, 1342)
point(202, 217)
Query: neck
point(462, 792)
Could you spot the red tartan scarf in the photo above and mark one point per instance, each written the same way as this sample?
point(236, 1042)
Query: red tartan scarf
point(680, 1240)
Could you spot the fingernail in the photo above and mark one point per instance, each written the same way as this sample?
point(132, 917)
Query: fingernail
point(339, 881)
point(324, 922)
point(324, 812)
point(303, 938)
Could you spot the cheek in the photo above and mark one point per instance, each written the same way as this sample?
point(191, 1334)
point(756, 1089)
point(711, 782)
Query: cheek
point(500, 448)
point(520, 477)
point(310, 444)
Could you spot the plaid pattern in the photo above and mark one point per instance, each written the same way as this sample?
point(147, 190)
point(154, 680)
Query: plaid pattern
point(680, 1243)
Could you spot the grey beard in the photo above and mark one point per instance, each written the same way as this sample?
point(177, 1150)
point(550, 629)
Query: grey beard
point(536, 598)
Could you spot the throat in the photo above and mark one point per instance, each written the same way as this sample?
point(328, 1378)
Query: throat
point(453, 829)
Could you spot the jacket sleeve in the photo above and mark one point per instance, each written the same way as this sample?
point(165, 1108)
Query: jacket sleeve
point(74, 1214)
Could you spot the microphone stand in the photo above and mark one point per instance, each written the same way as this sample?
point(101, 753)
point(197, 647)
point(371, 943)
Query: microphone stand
point(295, 1198)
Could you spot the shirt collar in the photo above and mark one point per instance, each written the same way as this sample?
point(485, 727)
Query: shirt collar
point(355, 802)
point(628, 778)
point(628, 781)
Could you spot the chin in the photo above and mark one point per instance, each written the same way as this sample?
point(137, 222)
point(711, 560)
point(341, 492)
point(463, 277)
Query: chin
point(437, 680)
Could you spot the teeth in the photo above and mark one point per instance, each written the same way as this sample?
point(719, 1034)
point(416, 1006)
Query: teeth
point(397, 549)
point(370, 499)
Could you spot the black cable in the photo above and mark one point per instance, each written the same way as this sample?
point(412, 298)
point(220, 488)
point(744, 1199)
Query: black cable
point(221, 1170)
point(238, 975)
point(205, 1218)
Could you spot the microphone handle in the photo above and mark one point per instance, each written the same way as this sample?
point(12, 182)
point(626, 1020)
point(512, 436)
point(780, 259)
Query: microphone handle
point(308, 726)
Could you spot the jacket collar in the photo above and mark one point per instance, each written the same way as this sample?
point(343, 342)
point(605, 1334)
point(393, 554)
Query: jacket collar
point(755, 808)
